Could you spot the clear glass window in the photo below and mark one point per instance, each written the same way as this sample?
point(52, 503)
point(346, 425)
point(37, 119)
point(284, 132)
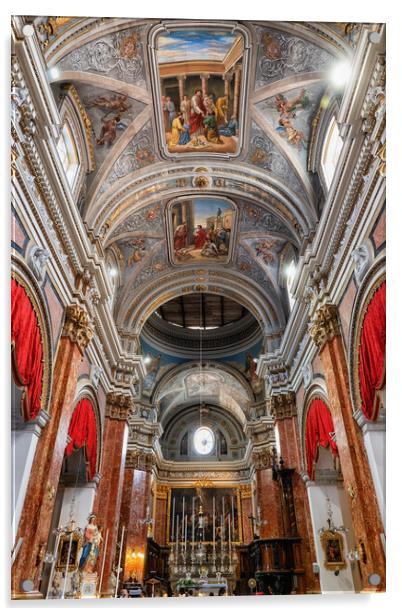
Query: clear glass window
point(331, 152)
point(68, 154)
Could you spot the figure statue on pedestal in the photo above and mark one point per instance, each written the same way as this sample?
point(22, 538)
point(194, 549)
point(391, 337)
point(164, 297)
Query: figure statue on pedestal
point(90, 551)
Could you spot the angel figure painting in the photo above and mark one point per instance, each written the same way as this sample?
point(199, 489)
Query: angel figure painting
point(200, 76)
point(201, 230)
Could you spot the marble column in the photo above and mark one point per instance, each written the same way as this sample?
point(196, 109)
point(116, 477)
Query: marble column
point(325, 332)
point(283, 409)
point(246, 502)
point(236, 97)
point(135, 511)
point(268, 497)
point(204, 84)
point(36, 515)
point(181, 79)
point(110, 489)
point(160, 515)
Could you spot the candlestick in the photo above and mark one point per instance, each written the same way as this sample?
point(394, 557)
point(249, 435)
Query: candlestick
point(223, 516)
point(233, 519)
point(213, 522)
point(173, 513)
point(185, 534)
point(177, 536)
point(182, 520)
point(230, 543)
point(193, 524)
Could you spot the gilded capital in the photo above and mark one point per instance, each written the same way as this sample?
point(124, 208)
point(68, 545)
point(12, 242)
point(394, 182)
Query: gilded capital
point(140, 460)
point(118, 406)
point(283, 406)
point(262, 458)
point(77, 326)
point(325, 325)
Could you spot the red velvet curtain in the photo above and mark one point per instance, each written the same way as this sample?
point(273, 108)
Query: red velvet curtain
point(28, 350)
point(82, 432)
point(372, 354)
point(318, 426)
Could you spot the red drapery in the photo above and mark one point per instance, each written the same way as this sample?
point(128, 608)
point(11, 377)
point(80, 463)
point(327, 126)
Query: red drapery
point(319, 424)
point(372, 354)
point(82, 431)
point(28, 350)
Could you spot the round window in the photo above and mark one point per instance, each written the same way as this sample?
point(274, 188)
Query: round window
point(204, 440)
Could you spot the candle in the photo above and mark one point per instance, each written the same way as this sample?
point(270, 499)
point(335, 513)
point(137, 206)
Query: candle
point(177, 536)
point(174, 510)
point(185, 533)
point(193, 523)
point(229, 537)
point(223, 517)
point(233, 520)
point(213, 521)
point(182, 520)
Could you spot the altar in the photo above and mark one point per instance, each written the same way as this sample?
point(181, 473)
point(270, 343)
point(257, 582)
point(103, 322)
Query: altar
point(204, 589)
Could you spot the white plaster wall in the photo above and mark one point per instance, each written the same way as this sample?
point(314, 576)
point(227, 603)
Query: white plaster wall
point(83, 505)
point(374, 441)
point(23, 447)
point(317, 494)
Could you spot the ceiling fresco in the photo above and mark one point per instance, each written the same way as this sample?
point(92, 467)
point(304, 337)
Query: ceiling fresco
point(119, 55)
point(201, 132)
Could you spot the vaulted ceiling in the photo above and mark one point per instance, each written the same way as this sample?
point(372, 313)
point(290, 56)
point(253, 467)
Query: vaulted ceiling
point(276, 77)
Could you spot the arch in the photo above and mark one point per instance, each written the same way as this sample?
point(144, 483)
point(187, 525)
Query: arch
point(23, 277)
point(132, 316)
point(310, 451)
point(88, 393)
point(124, 196)
point(371, 282)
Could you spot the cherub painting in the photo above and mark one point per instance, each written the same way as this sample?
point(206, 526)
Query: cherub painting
point(287, 113)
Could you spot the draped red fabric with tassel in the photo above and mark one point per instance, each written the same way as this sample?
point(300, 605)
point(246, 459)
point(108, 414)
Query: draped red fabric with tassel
point(28, 349)
point(319, 424)
point(372, 354)
point(82, 432)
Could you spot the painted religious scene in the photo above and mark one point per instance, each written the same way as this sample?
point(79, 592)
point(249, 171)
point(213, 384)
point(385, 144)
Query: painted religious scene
point(201, 230)
point(200, 73)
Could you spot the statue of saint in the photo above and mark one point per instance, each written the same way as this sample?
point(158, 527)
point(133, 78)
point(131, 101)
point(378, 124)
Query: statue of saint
point(90, 551)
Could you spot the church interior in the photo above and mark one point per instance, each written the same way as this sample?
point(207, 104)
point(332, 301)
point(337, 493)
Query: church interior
point(197, 307)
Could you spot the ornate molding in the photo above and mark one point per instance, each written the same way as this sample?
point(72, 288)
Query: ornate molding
point(263, 458)
point(283, 405)
point(162, 491)
point(77, 326)
point(140, 459)
point(325, 325)
point(118, 406)
point(245, 491)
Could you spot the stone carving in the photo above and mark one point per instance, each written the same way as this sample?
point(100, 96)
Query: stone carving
point(283, 406)
point(277, 372)
point(117, 55)
point(118, 406)
point(77, 326)
point(95, 375)
point(37, 259)
point(262, 458)
point(148, 219)
point(281, 55)
point(140, 460)
point(363, 258)
point(263, 153)
point(325, 325)
point(307, 372)
point(253, 216)
point(138, 153)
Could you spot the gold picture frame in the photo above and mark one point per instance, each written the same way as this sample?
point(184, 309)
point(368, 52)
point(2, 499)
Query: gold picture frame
point(333, 547)
point(62, 553)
